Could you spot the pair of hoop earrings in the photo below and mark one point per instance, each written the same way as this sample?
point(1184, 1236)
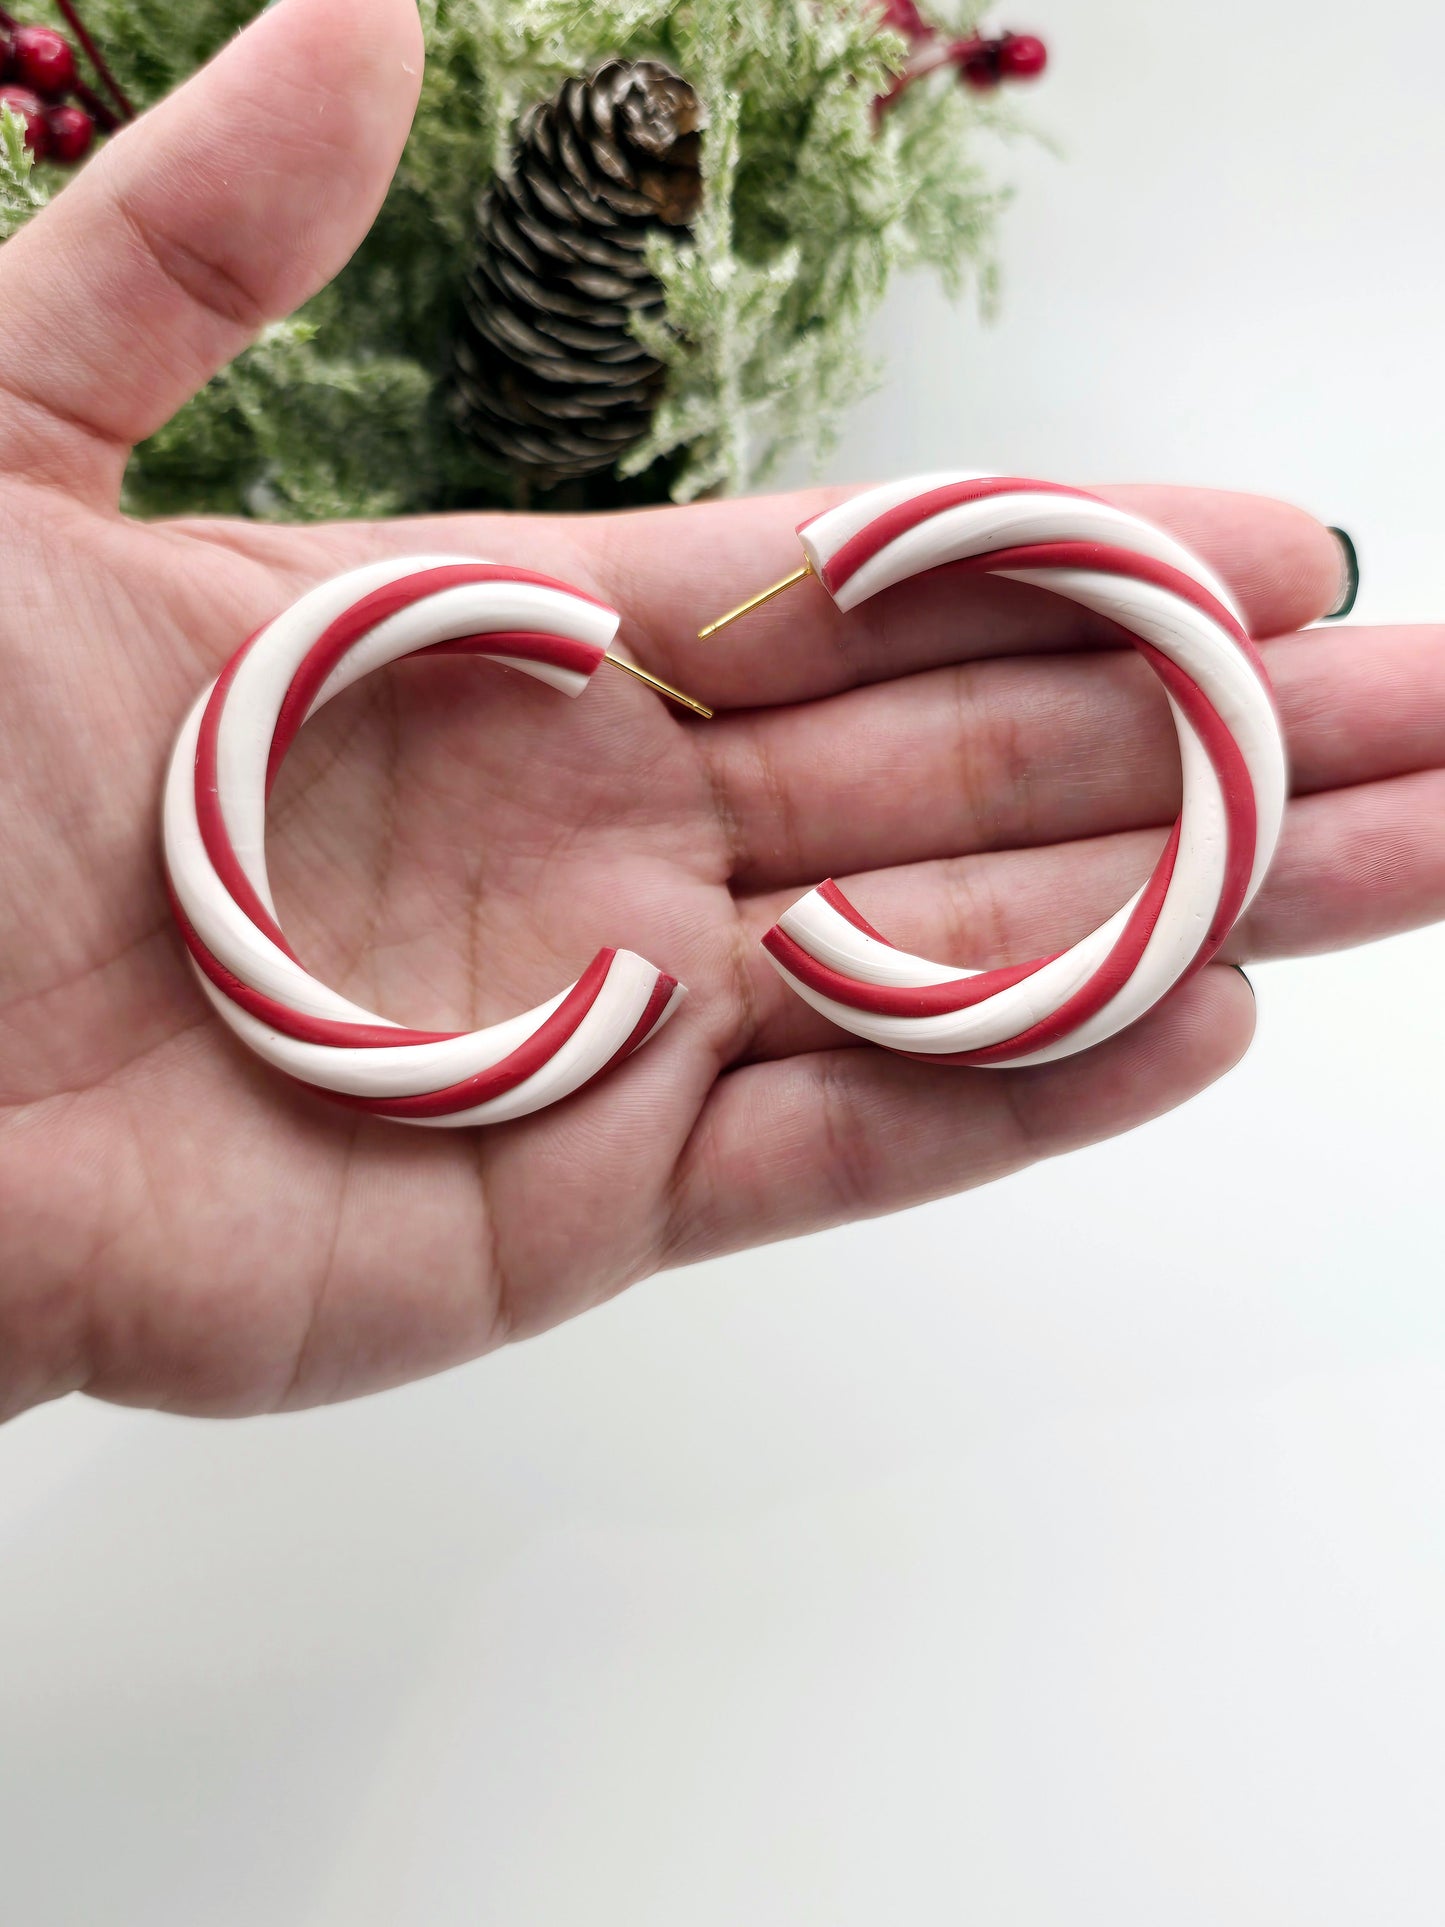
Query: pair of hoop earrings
point(1179, 617)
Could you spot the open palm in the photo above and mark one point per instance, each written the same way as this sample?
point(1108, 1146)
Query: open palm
point(179, 1226)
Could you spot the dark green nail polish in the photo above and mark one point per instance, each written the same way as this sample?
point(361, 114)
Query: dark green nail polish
point(1351, 576)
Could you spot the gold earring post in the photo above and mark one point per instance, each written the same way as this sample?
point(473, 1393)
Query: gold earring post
point(755, 602)
point(662, 688)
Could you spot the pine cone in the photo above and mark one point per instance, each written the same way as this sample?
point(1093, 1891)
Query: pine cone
point(550, 382)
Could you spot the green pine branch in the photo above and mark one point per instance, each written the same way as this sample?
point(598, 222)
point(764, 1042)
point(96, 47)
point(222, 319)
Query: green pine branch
point(809, 209)
point(21, 194)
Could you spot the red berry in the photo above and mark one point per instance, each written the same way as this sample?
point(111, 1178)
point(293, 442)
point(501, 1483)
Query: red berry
point(42, 59)
point(71, 131)
point(977, 62)
point(31, 109)
point(7, 48)
point(1022, 56)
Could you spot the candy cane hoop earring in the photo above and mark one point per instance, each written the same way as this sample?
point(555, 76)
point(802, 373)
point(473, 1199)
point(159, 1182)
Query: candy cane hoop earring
point(225, 760)
point(1184, 624)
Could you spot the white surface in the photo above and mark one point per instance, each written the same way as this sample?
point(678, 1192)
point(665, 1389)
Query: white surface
point(896, 1577)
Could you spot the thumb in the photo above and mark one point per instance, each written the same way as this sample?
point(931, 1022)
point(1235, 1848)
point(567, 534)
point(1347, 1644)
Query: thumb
point(225, 207)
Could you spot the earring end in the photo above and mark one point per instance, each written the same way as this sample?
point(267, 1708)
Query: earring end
point(755, 602)
point(678, 696)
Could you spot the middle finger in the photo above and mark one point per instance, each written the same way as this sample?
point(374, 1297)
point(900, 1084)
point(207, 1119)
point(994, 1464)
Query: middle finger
point(1015, 753)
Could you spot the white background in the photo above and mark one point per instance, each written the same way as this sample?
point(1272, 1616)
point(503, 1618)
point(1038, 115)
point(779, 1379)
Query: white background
point(1069, 1553)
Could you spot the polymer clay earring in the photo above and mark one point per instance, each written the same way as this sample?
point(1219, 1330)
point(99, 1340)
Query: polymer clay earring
point(1184, 623)
point(226, 758)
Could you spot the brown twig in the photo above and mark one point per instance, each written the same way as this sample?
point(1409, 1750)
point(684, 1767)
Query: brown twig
point(99, 110)
point(97, 59)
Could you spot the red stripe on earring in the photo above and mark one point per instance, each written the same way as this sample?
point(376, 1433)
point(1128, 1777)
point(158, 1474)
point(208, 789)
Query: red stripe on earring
point(514, 1069)
point(1104, 559)
point(1090, 997)
point(209, 820)
point(352, 624)
point(835, 900)
point(1241, 810)
point(530, 645)
point(306, 1029)
point(893, 1000)
point(526, 645)
point(887, 527)
point(656, 1004)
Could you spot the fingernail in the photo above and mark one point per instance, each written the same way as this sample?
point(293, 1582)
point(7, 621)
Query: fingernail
point(1247, 984)
point(1349, 576)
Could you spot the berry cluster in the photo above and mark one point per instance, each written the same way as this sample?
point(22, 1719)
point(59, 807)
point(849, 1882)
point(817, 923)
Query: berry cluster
point(40, 81)
point(979, 62)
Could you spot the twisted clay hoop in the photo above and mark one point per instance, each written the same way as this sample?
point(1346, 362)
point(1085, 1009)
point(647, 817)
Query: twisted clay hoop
point(226, 758)
point(1183, 622)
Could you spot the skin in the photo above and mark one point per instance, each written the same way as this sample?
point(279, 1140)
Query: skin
point(985, 768)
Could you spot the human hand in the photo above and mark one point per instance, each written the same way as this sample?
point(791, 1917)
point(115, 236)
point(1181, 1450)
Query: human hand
point(988, 773)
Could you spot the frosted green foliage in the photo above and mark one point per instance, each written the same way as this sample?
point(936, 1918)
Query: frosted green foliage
point(20, 192)
point(810, 204)
point(285, 430)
